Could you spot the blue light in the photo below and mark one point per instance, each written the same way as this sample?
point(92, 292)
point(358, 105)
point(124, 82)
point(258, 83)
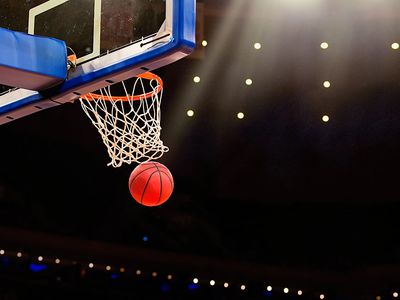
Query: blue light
point(193, 286)
point(165, 288)
point(114, 276)
point(37, 268)
point(268, 294)
point(145, 239)
point(5, 261)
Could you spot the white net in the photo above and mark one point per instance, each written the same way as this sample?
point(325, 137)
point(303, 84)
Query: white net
point(129, 125)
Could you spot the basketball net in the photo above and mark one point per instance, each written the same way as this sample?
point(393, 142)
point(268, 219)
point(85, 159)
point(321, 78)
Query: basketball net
point(129, 125)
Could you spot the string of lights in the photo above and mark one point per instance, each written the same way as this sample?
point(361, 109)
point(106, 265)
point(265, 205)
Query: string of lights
point(193, 283)
point(40, 263)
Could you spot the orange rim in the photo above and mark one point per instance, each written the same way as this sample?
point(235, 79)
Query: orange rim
point(147, 75)
point(72, 57)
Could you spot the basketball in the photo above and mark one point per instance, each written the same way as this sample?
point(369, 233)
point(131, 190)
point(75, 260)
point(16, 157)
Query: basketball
point(151, 184)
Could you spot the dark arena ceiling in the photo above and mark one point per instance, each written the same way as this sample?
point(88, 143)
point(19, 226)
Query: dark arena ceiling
point(279, 197)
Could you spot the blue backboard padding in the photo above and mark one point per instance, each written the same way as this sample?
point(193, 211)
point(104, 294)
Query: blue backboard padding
point(31, 62)
point(182, 43)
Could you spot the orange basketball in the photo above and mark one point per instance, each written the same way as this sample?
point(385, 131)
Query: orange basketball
point(151, 183)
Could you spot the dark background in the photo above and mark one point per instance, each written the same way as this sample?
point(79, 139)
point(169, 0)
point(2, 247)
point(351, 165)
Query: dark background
point(278, 197)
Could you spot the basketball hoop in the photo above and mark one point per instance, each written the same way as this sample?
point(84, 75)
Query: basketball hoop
point(129, 125)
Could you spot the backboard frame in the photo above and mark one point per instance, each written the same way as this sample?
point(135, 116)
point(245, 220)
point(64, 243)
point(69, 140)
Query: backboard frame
point(175, 40)
point(34, 12)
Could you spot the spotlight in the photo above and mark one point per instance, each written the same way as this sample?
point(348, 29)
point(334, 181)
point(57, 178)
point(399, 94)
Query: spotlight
point(257, 46)
point(138, 272)
point(40, 258)
point(212, 282)
point(395, 46)
point(154, 274)
point(91, 265)
point(325, 118)
point(240, 115)
point(57, 261)
point(169, 277)
point(204, 43)
point(195, 280)
point(324, 45)
point(108, 268)
point(196, 79)
point(19, 254)
point(2, 252)
point(122, 270)
point(395, 294)
point(269, 288)
point(286, 290)
point(322, 296)
point(327, 84)
point(249, 81)
point(226, 285)
point(190, 113)
point(299, 292)
point(242, 287)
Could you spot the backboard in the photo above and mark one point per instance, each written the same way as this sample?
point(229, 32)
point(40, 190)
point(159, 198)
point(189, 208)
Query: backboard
point(112, 39)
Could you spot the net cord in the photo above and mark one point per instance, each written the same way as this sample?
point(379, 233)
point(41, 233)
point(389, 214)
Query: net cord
point(129, 129)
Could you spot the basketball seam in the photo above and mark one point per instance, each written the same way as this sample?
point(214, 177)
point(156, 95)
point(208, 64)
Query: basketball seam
point(159, 174)
point(145, 187)
point(134, 178)
point(160, 166)
point(169, 178)
point(160, 169)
